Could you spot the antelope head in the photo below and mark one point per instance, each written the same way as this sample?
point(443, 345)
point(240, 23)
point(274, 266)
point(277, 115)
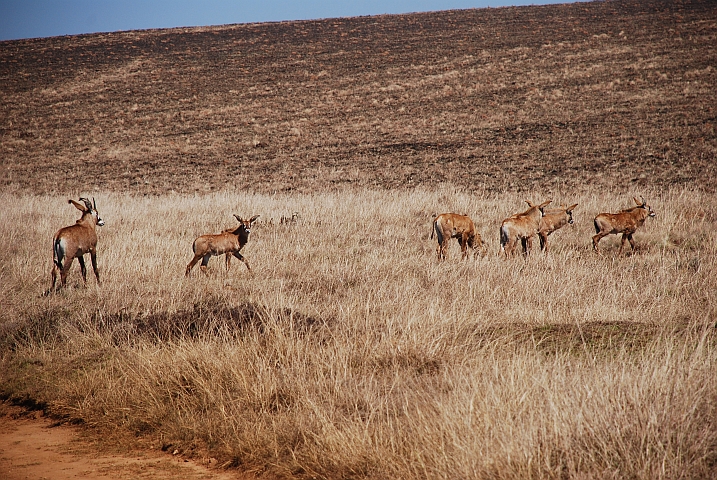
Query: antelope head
point(643, 204)
point(87, 207)
point(245, 225)
point(569, 211)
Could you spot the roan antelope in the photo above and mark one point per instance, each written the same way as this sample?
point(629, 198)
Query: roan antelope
point(75, 241)
point(521, 226)
point(625, 222)
point(229, 242)
point(461, 227)
point(552, 220)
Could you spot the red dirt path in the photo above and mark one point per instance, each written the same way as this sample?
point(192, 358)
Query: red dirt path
point(35, 447)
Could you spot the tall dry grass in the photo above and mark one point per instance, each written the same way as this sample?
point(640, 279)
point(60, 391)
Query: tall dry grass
point(349, 351)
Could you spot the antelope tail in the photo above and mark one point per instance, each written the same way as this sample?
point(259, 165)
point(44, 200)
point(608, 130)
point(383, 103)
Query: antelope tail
point(58, 253)
point(503, 237)
point(597, 228)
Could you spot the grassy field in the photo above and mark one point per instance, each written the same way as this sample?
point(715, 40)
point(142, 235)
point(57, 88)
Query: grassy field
point(350, 351)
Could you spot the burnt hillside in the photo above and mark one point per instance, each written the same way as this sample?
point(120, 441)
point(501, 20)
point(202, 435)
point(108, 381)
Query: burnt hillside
point(617, 93)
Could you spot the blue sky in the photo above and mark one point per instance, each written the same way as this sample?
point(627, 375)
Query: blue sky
point(46, 18)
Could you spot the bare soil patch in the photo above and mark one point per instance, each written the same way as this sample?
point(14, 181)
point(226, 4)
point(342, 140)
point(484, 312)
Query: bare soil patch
point(617, 94)
point(38, 447)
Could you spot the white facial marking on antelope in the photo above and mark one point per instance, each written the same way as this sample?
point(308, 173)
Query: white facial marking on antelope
point(625, 222)
point(552, 220)
point(521, 226)
point(74, 242)
point(229, 242)
point(460, 227)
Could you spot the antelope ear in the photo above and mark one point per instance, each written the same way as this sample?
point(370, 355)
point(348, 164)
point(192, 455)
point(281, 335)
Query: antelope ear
point(238, 218)
point(252, 219)
point(78, 205)
point(542, 206)
point(530, 204)
point(638, 202)
point(571, 208)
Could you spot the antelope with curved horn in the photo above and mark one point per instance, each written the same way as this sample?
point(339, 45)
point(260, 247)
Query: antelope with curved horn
point(625, 222)
point(229, 242)
point(75, 241)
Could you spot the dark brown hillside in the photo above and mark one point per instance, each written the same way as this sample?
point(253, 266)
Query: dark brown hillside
point(584, 95)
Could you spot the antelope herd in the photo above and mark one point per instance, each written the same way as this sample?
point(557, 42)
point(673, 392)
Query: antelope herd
point(76, 240)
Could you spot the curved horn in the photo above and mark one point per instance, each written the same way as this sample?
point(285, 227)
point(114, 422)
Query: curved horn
point(86, 202)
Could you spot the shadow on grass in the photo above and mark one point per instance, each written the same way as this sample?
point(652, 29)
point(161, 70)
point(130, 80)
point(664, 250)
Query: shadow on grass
point(215, 319)
point(594, 337)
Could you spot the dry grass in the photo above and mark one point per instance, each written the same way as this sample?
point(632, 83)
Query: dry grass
point(350, 351)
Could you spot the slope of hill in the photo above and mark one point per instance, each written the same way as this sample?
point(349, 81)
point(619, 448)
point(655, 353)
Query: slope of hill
point(585, 95)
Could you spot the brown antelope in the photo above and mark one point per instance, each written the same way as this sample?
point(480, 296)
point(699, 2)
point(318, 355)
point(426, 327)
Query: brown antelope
point(75, 241)
point(461, 227)
point(552, 220)
point(625, 222)
point(229, 242)
point(521, 226)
